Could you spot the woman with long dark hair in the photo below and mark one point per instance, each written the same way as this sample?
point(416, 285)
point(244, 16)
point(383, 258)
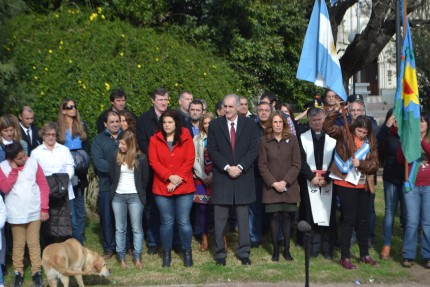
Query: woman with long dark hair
point(171, 156)
point(356, 158)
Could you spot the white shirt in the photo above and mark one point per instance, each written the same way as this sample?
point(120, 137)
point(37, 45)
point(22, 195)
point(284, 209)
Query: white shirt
point(126, 183)
point(59, 160)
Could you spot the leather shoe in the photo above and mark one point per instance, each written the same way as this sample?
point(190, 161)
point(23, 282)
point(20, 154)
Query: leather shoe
point(123, 265)
point(346, 263)
point(152, 250)
point(138, 264)
point(407, 263)
point(368, 260)
point(245, 260)
point(108, 254)
point(220, 261)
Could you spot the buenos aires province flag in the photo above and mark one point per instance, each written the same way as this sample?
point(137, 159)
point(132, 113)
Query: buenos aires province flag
point(406, 103)
point(319, 63)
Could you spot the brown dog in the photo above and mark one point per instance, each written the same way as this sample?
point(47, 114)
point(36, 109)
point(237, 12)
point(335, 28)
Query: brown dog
point(70, 258)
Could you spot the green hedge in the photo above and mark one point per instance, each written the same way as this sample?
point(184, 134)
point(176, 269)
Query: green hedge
point(81, 54)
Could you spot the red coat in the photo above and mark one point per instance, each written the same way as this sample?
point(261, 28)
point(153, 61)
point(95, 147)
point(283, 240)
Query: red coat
point(165, 163)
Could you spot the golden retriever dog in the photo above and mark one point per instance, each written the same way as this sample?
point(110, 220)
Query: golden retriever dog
point(70, 258)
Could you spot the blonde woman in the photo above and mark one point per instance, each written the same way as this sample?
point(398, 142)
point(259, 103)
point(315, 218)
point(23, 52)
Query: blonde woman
point(129, 174)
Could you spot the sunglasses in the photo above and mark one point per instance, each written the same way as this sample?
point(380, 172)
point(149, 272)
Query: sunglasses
point(70, 107)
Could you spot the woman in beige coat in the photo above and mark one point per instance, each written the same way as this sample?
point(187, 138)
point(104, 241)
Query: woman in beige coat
point(279, 164)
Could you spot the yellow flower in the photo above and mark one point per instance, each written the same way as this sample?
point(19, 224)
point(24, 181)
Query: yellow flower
point(70, 61)
point(36, 78)
point(61, 42)
point(42, 93)
point(50, 51)
point(79, 82)
point(99, 10)
point(84, 87)
point(176, 84)
point(157, 48)
point(46, 69)
point(156, 59)
point(123, 35)
point(34, 67)
point(103, 17)
point(139, 66)
point(93, 16)
point(204, 74)
point(107, 86)
point(121, 54)
point(56, 15)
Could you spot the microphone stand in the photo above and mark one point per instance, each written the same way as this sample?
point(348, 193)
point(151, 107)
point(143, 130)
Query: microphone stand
point(307, 239)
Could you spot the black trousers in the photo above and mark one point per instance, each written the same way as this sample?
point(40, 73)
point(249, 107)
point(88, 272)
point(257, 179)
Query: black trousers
point(221, 218)
point(354, 203)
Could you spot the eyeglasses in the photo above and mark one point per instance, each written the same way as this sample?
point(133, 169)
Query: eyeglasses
point(50, 135)
point(70, 107)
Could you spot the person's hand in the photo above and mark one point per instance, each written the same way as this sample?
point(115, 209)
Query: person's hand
point(175, 179)
point(279, 186)
point(322, 182)
point(234, 171)
point(316, 180)
point(171, 187)
point(390, 121)
point(355, 162)
point(13, 164)
point(208, 180)
point(44, 216)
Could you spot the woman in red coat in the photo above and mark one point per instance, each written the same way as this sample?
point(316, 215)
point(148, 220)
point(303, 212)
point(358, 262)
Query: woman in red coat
point(171, 156)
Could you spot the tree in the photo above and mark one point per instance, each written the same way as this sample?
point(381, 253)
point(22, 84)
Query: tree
point(379, 31)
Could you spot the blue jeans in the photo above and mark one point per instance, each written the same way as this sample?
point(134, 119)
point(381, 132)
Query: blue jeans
point(173, 209)
point(393, 195)
point(78, 214)
point(121, 205)
point(417, 203)
point(107, 221)
point(152, 221)
point(256, 212)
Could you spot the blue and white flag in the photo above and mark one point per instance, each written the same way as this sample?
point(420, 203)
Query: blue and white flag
point(319, 63)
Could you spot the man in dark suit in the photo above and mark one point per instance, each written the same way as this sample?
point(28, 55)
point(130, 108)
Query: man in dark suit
point(195, 111)
point(29, 132)
point(146, 126)
point(232, 147)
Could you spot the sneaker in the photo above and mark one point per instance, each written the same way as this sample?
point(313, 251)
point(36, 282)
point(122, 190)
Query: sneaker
point(407, 263)
point(368, 260)
point(19, 279)
point(346, 263)
point(37, 279)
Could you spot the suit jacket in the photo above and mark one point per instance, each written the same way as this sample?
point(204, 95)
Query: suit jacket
point(35, 139)
point(146, 126)
point(227, 190)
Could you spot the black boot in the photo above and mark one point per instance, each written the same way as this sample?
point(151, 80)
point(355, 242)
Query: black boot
point(287, 254)
point(275, 255)
point(188, 258)
point(167, 257)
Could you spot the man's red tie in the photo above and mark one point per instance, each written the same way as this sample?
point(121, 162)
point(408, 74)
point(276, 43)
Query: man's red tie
point(232, 136)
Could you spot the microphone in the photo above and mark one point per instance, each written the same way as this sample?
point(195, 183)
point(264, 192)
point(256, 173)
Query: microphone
point(303, 226)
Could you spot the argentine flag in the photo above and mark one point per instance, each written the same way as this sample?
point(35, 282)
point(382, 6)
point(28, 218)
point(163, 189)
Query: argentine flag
point(319, 63)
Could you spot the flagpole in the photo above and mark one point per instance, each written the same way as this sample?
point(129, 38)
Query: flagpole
point(398, 43)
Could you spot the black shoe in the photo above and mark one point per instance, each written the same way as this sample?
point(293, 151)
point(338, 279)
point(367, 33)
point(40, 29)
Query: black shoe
point(19, 279)
point(152, 250)
point(220, 261)
point(275, 257)
point(188, 258)
point(37, 279)
point(287, 255)
point(255, 244)
point(245, 260)
point(167, 257)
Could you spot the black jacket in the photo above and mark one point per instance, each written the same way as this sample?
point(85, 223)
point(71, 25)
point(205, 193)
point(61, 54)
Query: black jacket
point(388, 143)
point(141, 177)
point(146, 126)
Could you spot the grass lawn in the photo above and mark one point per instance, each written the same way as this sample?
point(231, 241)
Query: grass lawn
point(262, 268)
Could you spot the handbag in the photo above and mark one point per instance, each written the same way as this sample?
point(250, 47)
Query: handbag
point(81, 159)
point(58, 185)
